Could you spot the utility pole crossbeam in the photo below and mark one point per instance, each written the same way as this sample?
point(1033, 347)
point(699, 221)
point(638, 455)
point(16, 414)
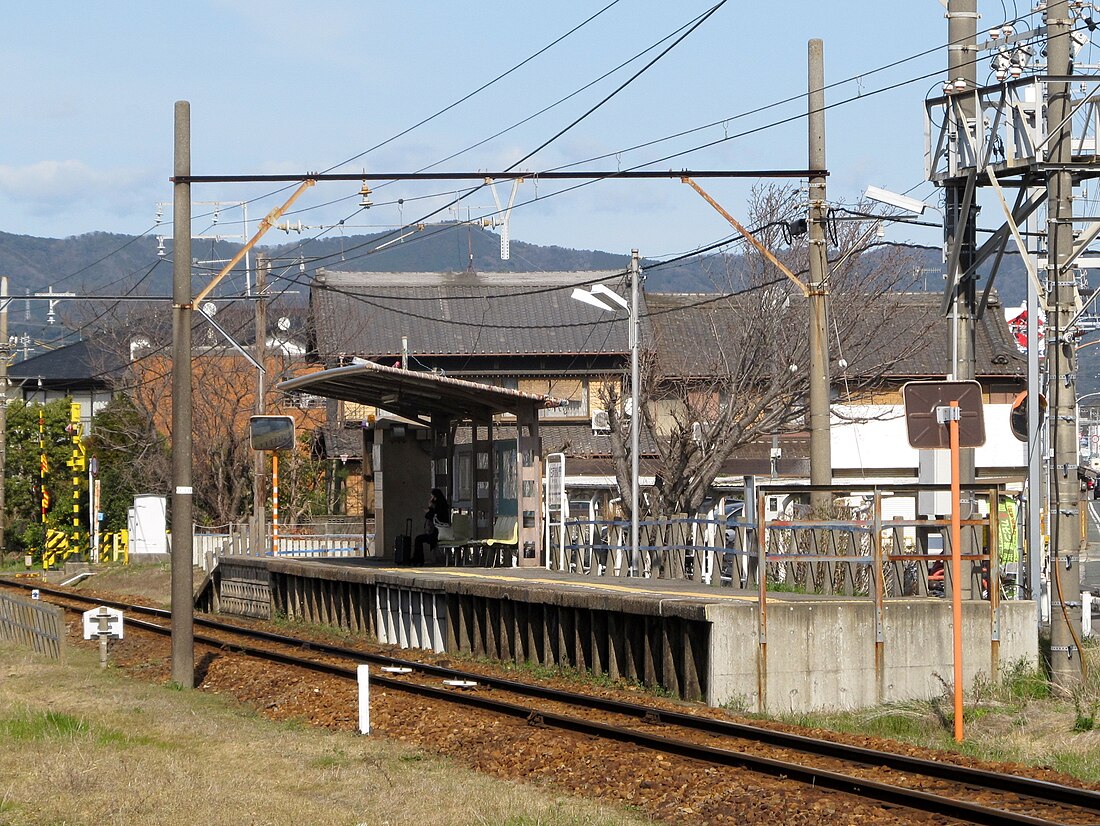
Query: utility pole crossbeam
point(482, 177)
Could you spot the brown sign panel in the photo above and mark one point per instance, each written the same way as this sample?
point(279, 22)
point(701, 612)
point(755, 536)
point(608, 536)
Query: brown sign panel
point(926, 430)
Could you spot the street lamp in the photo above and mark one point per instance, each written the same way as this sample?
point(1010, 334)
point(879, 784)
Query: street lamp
point(896, 200)
point(590, 297)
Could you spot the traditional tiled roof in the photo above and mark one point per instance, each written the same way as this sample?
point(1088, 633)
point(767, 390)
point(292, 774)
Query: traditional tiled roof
point(367, 314)
point(911, 335)
point(79, 365)
point(532, 314)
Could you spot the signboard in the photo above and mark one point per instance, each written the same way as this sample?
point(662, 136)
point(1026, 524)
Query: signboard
point(103, 623)
point(555, 481)
point(271, 432)
point(925, 425)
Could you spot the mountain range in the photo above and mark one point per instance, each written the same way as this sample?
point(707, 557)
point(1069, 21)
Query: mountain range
point(122, 266)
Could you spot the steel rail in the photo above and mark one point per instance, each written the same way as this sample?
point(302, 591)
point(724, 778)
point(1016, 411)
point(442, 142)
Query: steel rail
point(1040, 790)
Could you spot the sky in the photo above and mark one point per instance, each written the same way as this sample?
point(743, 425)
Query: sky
point(291, 87)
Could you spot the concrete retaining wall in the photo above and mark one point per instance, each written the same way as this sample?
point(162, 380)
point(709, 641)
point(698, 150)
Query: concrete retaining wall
point(823, 654)
point(819, 653)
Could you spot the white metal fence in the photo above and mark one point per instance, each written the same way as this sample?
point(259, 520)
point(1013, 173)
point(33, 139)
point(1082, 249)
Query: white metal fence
point(233, 540)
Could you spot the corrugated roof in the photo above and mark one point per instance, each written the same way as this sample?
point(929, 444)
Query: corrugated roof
point(413, 394)
point(367, 314)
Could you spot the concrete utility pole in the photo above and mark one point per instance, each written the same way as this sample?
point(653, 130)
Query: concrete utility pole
point(821, 457)
point(960, 211)
point(635, 401)
point(5, 352)
point(962, 70)
point(1036, 452)
point(1062, 377)
point(183, 632)
point(259, 463)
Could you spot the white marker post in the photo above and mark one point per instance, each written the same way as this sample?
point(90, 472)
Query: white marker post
point(363, 674)
point(104, 624)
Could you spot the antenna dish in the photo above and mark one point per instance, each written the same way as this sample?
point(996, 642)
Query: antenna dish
point(210, 309)
point(284, 323)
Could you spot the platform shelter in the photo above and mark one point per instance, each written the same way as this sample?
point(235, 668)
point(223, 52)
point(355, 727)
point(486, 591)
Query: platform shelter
point(415, 451)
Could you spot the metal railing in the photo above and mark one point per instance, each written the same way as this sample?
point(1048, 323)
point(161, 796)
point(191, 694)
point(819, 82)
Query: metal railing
point(850, 549)
point(233, 540)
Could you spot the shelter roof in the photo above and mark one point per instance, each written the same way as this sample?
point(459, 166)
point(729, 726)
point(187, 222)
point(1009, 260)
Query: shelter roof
point(415, 394)
point(368, 314)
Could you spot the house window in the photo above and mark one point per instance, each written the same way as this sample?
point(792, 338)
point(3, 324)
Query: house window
point(573, 391)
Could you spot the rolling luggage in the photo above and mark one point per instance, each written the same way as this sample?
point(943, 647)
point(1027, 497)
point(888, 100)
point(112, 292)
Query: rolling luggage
point(402, 545)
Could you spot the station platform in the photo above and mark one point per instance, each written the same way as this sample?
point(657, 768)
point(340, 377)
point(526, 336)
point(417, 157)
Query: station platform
point(795, 652)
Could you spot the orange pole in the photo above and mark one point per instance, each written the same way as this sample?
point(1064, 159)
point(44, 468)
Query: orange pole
point(274, 503)
point(956, 569)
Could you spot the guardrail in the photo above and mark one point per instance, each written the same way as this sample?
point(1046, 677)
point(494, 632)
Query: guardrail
point(32, 624)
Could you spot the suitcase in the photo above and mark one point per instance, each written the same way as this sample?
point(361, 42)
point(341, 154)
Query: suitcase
point(402, 545)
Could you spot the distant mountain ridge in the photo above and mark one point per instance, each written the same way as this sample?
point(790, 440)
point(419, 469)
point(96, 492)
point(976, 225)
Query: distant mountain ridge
point(106, 263)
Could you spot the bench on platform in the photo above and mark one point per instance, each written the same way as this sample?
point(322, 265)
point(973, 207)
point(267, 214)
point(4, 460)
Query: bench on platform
point(490, 553)
point(452, 548)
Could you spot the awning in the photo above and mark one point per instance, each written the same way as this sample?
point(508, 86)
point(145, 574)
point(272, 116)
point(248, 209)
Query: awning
point(415, 394)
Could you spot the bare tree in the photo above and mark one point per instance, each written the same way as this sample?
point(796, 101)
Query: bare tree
point(224, 398)
point(726, 370)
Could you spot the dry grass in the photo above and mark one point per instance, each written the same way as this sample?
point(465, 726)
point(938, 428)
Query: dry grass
point(83, 746)
point(151, 580)
point(1019, 718)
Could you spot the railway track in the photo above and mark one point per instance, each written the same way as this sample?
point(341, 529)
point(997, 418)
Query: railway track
point(945, 790)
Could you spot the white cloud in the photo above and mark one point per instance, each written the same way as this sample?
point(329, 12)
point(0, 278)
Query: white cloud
point(48, 197)
point(50, 180)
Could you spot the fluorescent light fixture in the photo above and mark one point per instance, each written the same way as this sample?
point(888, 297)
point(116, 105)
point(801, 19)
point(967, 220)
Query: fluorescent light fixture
point(902, 202)
point(588, 298)
point(610, 293)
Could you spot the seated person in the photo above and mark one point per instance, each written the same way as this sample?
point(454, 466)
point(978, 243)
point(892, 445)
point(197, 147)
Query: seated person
point(438, 513)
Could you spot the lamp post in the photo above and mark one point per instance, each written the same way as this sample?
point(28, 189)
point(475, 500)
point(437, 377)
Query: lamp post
point(590, 297)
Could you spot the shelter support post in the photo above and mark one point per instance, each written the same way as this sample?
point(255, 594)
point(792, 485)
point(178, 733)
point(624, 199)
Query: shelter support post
point(529, 550)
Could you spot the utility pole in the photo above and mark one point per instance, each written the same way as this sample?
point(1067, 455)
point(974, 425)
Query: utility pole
point(635, 401)
point(821, 461)
point(259, 464)
point(183, 631)
point(5, 352)
point(1036, 453)
point(1062, 377)
point(959, 214)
